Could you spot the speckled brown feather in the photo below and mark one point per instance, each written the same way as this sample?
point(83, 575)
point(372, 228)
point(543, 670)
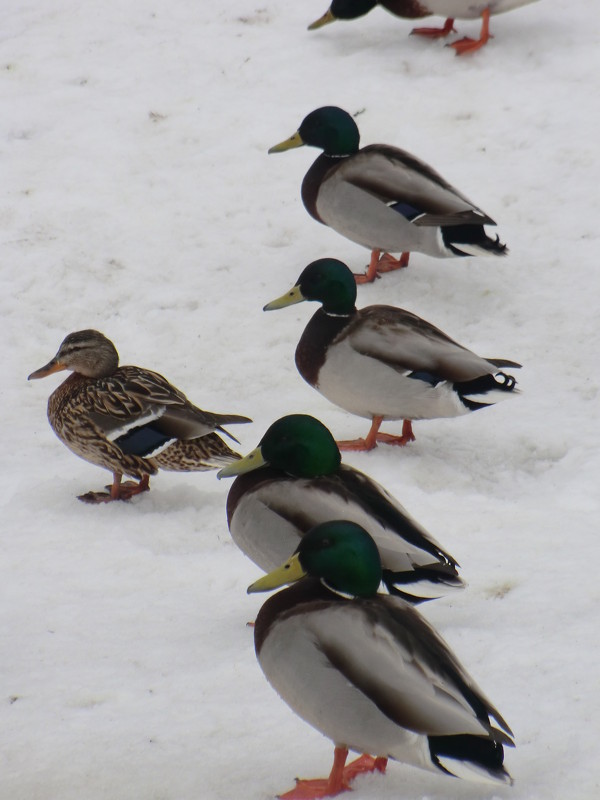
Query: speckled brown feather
point(82, 410)
point(196, 455)
point(67, 413)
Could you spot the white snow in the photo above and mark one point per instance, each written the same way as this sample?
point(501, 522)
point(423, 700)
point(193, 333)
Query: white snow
point(138, 198)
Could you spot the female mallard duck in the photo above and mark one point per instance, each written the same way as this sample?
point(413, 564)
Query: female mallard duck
point(384, 198)
point(383, 362)
point(367, 671)
point(127, 419)
point(416, 9)
point(294, 480)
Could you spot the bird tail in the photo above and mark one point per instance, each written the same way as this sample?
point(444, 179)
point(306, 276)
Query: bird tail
point(471, 240)
point(228, 419)
point(486, 390)
point(423, 582)
point(473, 757)
point(196, 455)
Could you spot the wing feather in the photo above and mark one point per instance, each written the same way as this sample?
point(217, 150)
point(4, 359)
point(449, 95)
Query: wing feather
point(134, 397)
point(395, 176)
point(397, 660)
point(408, 343)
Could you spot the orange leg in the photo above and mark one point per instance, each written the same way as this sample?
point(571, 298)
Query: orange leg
point(374, 436)
point(371, 272)
point(130, 488)
point(468, 45)
point(363, 444)
point(322, 787)
point(117, 490)
point(388, 263)
point(381, 263)
point(436, 33)
point(407, 435)
point(364, 764)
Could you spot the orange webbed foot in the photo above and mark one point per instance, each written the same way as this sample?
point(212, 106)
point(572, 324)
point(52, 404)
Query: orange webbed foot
point(129, 489)
point(400, 441)
point(314, 788)
point(381, 262)
point(371, 273)
point(435, 33)
point(117, 491)
point(322, 787)
point(96, 497)
point(357, 445)
point(373, 437)
point(364, 764)
point(388, 263)
point(468, 45)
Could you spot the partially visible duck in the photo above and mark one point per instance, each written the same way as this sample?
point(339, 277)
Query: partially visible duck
point(416, 9)
point(294, 480)
point(385, 198)
point(384, 363)
point(367, 671)
point(129, 420)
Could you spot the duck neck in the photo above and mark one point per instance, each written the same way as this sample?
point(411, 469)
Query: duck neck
point(316, 175)
point(311, 352)
point(340, 302)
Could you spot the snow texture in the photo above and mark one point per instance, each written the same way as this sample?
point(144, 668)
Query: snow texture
point(138, 198)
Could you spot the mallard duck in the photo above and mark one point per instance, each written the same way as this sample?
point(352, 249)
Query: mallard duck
point(416, 9)
point(367, 670)
point(129, 420)
point(382, 362)
point(294, 480)
point(385, 198)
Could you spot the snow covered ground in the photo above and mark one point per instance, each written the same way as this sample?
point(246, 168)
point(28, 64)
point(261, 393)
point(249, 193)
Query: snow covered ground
point(137, 198)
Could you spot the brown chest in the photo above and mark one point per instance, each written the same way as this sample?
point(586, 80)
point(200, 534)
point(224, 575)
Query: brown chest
point(64, 402)
point(311, 352)
point(409, 9)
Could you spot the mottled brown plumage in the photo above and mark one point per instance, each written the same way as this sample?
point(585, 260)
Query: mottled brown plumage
point(129, 420)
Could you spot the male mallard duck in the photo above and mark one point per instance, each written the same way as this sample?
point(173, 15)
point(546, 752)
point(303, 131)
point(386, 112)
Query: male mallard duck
point(382, 362)
point(416, 9)
point(367, 671)
point(385, 198)
point(127, 419)
point(294, 480)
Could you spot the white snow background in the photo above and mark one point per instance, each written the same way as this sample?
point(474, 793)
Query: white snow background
point(137, 197)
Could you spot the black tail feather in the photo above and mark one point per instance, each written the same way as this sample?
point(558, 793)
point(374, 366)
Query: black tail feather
point(500, 382)
point(479, 750)
point(442, 575)
point(455, 235)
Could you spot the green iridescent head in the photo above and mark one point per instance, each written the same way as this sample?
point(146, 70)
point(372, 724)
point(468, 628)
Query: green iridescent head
point(329, 128)
point(297, 444)
point(352, 9)
point(340, 553)
point(332, 130)
point(330, 282)
point(326, 280)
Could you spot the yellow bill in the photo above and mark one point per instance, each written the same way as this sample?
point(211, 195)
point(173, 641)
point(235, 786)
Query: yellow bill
point(288, 144)
point(290, 572)
point(324, 20)
point(252, 461)
point(288, 299)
